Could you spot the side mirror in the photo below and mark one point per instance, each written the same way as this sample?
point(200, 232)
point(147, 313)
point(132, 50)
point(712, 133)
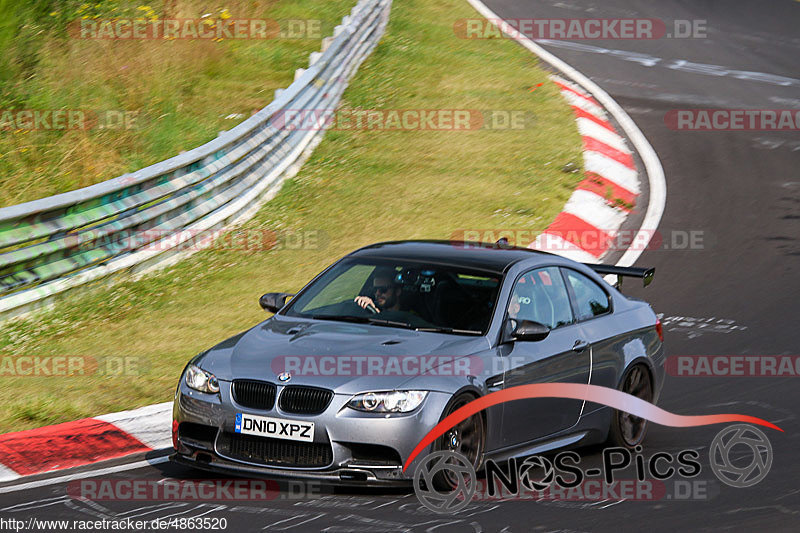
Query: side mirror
point(273, 301)
point(526, 330)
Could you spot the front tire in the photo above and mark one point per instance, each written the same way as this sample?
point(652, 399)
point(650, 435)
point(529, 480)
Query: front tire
point(628, 431)
point(467, 438)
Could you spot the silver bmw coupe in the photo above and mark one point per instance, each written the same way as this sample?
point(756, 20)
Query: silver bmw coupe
point(345, 379)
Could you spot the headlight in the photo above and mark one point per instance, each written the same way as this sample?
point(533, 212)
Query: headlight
point(200, 380)
point(388, 402)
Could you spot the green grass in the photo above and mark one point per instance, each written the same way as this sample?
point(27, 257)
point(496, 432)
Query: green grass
point(358, 187)
point(179, 92)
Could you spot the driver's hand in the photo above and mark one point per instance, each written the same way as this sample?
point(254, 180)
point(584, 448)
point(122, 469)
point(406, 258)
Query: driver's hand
point(364, 301)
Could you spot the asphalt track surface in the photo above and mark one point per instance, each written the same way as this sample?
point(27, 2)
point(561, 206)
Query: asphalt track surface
point(740, 189)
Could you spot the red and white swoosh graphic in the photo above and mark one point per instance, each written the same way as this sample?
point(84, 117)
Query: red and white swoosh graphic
point(591, 393)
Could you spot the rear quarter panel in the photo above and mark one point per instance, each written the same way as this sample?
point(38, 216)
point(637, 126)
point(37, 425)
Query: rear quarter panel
point(620, 340)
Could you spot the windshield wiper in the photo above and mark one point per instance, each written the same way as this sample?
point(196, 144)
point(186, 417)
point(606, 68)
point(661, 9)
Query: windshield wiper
point(364, 320)
point(393, 323)
point(439, 329)
point(342, 318)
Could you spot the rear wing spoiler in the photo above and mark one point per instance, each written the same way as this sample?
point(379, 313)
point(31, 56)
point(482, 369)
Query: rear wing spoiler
point(646, 274)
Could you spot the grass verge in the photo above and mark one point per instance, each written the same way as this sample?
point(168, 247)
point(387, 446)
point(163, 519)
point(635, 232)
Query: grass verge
point(359, 187)
point(142, 100)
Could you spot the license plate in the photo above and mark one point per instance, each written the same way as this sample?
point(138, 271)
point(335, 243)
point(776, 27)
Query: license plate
point(276, 428)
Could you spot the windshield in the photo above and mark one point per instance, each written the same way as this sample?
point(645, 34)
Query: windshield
point(420, 296)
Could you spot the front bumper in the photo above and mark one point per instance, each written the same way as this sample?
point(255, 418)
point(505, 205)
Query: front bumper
point(364, 448)
point(340, 477)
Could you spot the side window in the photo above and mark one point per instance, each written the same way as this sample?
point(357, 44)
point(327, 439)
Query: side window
point(591, 300)
point(541, 295)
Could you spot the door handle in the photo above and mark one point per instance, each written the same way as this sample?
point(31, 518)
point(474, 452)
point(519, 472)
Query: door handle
point(579, 346)
point(496, 383)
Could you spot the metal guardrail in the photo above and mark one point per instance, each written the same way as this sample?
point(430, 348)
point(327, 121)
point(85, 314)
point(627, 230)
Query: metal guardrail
point(56, 244)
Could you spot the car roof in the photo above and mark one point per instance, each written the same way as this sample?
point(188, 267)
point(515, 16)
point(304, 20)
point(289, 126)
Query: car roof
point(475, 255)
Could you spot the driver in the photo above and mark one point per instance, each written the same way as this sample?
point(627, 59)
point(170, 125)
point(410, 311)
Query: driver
point(385, 294)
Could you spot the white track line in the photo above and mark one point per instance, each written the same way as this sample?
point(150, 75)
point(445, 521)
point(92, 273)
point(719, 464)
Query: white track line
point(655, 173)
point(574, 86)
point(83, 475)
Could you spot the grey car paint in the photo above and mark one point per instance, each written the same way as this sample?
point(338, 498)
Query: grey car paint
point(613, 342)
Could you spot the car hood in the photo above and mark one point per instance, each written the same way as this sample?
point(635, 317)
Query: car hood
point(279, 344)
